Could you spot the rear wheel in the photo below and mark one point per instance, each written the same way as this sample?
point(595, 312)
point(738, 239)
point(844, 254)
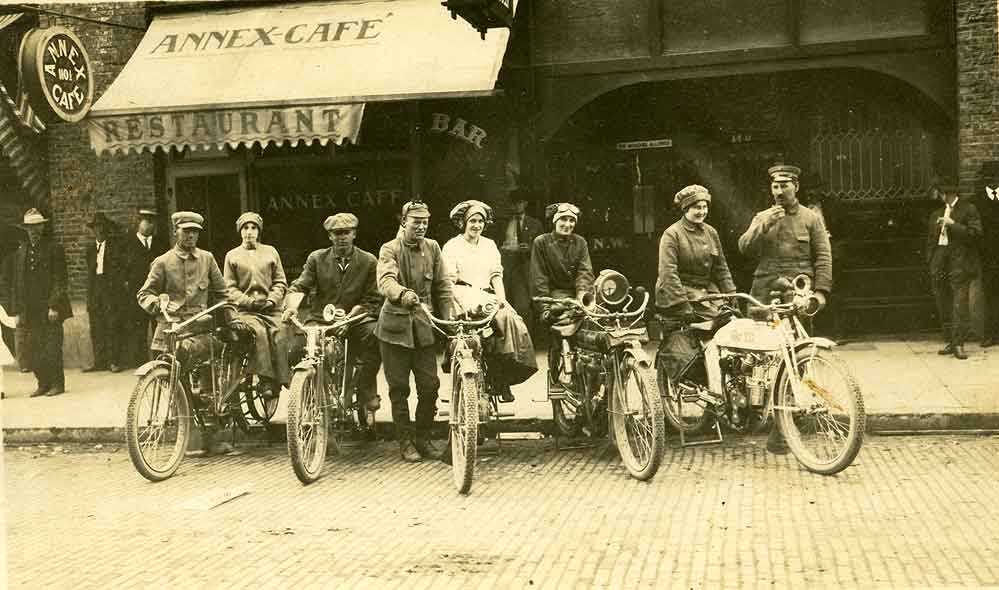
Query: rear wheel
point(683, 414)
point(157, 426)
point(637, 422)
point(564, 409)
point(824, 422)
point(257, 406)
point(307, 426)
point(464, 430)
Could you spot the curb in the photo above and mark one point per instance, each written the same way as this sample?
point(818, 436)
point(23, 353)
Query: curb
point(884, 424)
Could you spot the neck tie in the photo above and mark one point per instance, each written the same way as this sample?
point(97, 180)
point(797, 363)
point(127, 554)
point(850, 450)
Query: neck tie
point(146, 241)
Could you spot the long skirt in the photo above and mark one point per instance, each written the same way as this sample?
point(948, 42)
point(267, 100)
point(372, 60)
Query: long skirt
point(269, 355)
point(511, 350)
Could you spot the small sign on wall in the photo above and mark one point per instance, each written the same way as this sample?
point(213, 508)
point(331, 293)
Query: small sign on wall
point(645, 144)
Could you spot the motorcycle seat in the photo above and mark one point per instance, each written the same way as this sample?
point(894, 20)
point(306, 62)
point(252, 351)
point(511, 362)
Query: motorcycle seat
point(567, 329)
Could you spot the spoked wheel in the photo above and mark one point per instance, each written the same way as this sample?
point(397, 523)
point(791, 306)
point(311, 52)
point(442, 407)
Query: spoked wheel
point(256, 406)
point(637, 422)
point(824, 422)
point(564, 410)
point(157, 426)
point(464, 429)
point(307, 420)
point(685, 415)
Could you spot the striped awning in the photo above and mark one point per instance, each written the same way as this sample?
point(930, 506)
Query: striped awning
point(18, 128)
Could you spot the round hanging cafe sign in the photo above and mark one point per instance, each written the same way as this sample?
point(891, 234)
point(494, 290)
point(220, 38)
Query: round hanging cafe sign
point(56, 73)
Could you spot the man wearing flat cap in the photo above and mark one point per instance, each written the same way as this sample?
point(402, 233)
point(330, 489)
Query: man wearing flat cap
point(256, 283)
point(787, 239)
point(185, 281)
point(952, 244)
point(138, 252)
point(413, 280)
point(344, 275)
point(104, 296)
point(41, 303)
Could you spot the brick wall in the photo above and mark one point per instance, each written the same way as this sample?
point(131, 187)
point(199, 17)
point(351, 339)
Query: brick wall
point(978, 84)
point(80, 182)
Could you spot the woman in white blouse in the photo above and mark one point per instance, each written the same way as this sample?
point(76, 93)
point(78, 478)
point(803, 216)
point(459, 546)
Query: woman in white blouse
point(473, 264)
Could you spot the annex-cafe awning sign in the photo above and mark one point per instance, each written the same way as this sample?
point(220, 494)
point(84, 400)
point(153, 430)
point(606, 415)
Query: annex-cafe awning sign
point(287, 73)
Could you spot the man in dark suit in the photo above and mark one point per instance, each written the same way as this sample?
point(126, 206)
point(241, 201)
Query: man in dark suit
point(344, 275)
point(40, 302)
point(138, 251)
point(104, 296)
point(515, 248)
point(952, 243)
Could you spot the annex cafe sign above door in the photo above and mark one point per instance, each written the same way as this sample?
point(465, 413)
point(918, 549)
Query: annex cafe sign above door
point(56, 74)
point(221, 75)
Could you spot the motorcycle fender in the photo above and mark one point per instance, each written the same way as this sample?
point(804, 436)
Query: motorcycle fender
point(467, 365)
point(816, 341)
point(148, 366)
point(637, 357)
point(303, 365)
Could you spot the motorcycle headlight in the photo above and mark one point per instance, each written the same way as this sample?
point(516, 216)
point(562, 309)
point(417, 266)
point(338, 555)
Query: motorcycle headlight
point(611, 288)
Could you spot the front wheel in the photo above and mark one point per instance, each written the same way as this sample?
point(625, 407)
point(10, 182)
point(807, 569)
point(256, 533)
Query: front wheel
point(157, 426)
point(824, 423)
point(683, 413)
point(464, 429)
point(638, 423)
point(307, 426)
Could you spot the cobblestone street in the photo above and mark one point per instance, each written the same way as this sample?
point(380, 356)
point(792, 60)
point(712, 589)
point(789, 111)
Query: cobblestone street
point(912, 512)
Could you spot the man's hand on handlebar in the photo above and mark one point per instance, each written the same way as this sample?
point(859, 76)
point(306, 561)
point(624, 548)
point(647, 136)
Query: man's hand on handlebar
point(409, 299)
point(288, 314)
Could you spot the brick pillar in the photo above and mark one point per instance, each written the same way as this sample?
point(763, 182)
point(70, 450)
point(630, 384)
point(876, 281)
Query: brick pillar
point(80, 182)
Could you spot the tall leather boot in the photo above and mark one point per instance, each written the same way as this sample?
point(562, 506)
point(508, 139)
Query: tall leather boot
point(408, 451)
point(424, 445)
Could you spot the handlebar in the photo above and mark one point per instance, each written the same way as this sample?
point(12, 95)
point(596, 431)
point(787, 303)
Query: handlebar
point(472, 324)
point(346, 322)
point(175, 328)
point(801, 303)
point(592, 314)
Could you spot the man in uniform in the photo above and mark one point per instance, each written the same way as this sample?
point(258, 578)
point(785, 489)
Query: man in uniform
point(104, 294)
point(787, 239)
point(138, 252)
point(952, 243)
point(182, 281)
point(41, 303)
point(344, 275)
point(412, 278)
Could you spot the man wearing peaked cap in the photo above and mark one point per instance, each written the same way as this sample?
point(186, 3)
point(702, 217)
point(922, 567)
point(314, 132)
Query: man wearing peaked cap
point(138, 251)
point(787, 240)
point(413, 280)
point(256, 283)
point(41, 303)
point(344, 275)
point(104, 259)
point(183, 282)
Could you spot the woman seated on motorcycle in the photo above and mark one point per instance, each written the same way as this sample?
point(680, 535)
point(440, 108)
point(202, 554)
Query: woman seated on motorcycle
point(560, 267)
point(691, 264)
point(256, 284)
point(473, 263)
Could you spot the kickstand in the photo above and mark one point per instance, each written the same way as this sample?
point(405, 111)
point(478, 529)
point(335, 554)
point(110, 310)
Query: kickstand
point(698, 443)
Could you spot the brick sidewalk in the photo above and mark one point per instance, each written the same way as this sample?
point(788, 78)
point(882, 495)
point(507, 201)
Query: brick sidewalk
point(912, 512)
point(906, 385)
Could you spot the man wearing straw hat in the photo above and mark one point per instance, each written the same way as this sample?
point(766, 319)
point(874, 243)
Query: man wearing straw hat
point(40, 302)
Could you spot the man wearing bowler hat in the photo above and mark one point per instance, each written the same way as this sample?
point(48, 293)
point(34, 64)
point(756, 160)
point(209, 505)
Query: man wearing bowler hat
point(41, 303)
point(104, 296)
point(787, 239)
point(413, 280)
point(952, 243)
point(138, 252)
point(344, 275)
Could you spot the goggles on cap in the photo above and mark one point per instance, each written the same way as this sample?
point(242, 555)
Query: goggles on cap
point(563, 209)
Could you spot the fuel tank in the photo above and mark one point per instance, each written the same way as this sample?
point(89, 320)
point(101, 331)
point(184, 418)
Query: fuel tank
point(748, 334)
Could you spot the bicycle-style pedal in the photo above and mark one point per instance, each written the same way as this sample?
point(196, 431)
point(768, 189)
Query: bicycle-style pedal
point(505, 414)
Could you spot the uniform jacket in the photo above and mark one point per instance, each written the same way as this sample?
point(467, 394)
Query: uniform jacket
point(50, 279)
point(554, 268)
point(191, 280)
point(420, 268)
point(358, 285)
point(964, 235)
point(690, 257)
point(113, 259)
point(796, 244)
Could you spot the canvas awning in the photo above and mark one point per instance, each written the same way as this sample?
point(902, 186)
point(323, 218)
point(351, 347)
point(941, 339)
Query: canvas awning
point(287, 73)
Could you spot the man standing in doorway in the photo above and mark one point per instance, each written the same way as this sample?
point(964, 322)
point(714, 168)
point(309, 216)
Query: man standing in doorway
point(41, 304)
point(413, 280)
point(787, 239)
point(104, 296)
point(520, 232)
point(952, 243)
point(138, 252)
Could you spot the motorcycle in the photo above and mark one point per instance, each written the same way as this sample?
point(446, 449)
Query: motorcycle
point(596, 380)
point(768, 367)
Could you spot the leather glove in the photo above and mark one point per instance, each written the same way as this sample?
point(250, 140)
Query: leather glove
point(289, 313)
point(409, 299)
